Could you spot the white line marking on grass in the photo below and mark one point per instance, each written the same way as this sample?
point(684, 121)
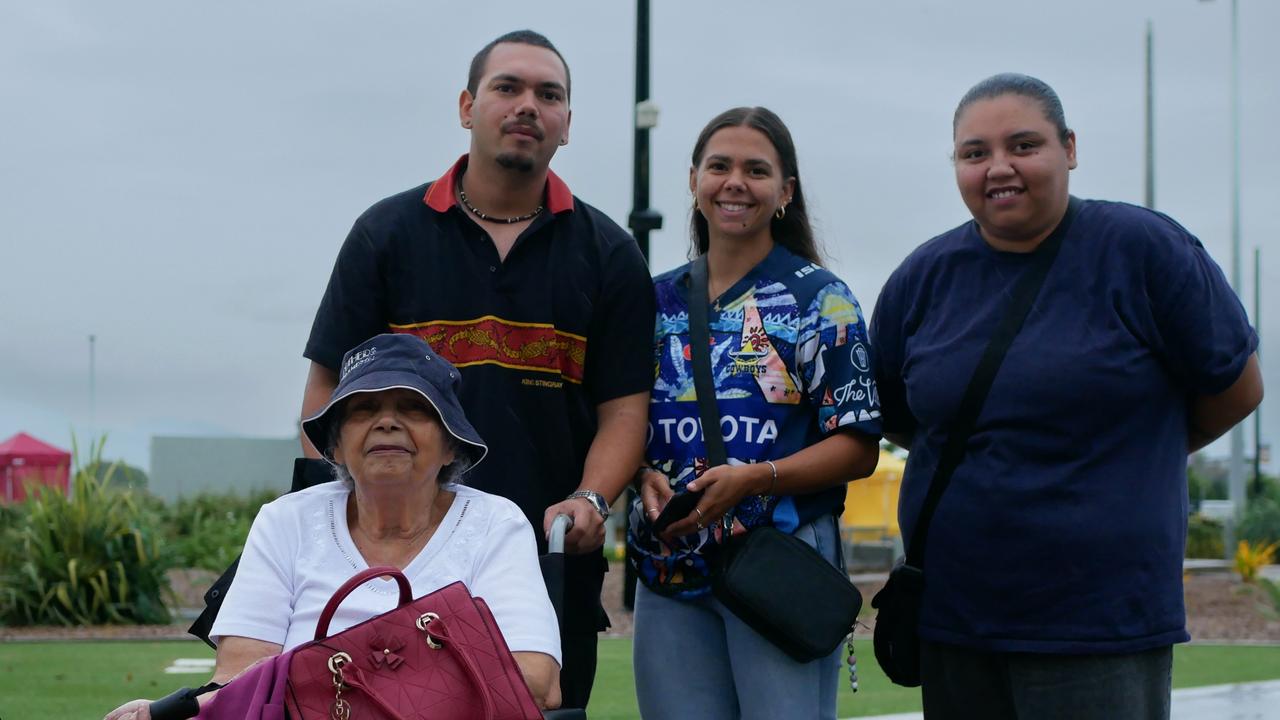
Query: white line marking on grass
point(190, 666)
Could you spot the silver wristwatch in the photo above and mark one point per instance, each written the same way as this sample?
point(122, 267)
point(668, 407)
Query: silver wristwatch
point(596, 499)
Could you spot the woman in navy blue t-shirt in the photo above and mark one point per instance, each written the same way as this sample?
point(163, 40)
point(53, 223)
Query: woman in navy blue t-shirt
point(1054, 561)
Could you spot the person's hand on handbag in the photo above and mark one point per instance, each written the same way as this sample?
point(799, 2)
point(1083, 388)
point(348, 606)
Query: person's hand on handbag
point(723, 487)
point(655, 492)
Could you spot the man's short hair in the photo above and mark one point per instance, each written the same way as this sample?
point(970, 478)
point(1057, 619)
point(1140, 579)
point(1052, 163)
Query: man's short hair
point(521, 37)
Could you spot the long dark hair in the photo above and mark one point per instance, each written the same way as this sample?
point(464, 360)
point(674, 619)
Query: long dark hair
point(793, 231)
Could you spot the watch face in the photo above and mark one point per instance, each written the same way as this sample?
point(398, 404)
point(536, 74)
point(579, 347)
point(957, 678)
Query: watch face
point(601, 507)
point(598, 502)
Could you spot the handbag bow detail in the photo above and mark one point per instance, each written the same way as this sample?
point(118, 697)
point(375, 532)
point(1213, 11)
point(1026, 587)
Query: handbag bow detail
point(385, 651)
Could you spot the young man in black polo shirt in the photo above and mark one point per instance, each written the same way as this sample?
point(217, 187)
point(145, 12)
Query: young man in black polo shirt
point(544, 303)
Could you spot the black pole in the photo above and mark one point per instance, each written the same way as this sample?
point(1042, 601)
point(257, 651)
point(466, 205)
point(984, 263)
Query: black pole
point(643, 218)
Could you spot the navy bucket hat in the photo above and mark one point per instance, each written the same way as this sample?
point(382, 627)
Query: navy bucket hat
point(390, 361)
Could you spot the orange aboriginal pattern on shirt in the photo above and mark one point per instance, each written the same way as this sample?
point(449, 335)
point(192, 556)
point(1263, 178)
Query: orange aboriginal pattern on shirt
point(491, 340)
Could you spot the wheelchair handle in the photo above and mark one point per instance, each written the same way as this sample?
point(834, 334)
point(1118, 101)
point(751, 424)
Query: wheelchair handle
point(555, 539)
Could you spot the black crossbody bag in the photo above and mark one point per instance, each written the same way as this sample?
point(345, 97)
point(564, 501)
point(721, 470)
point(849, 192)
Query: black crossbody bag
point(774, 582)
point(897, 631)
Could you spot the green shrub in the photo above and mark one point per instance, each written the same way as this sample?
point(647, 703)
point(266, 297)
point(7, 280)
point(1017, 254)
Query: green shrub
point(1273, 593)
point(1204, 538)
point(9, 515)
point(1261, 521)
point(119, 475)
point(93, 556)
point(208, 531)
point(1200, 487)
point(1267, 488)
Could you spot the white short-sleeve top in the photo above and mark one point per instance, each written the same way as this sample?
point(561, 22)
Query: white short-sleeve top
point(299, 552)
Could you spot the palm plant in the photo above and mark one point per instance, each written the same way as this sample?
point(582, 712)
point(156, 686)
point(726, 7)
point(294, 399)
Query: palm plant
point(91, 556)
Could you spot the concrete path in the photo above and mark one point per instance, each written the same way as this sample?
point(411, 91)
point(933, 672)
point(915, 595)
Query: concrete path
point(1243, 701)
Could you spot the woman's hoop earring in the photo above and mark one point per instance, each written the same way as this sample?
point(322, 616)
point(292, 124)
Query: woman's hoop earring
point(781, 212)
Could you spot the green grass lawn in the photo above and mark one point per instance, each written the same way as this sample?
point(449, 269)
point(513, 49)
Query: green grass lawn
point(86, 679)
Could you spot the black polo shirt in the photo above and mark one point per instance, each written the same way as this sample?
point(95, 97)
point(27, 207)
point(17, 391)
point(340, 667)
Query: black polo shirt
point(564, 323)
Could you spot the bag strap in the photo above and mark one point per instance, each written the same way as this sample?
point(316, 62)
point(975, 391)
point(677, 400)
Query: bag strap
point(360, 578)
point(700, 353)
point(1016, 311)
point(181, 704)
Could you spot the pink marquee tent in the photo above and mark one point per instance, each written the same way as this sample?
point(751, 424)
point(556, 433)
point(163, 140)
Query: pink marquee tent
point(25, 459)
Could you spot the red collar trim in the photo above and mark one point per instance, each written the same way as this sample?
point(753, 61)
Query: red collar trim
point(441, 195)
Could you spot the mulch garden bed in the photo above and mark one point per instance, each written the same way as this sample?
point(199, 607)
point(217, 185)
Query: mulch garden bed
point(1220, 608)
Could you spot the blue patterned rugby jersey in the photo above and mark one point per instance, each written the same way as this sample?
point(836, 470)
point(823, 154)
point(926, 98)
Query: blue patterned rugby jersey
point(791, 364)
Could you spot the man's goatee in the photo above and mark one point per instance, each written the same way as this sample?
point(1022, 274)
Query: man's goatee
point(512, 161)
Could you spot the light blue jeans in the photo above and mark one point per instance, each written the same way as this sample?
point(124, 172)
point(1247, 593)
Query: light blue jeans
point(696, 659)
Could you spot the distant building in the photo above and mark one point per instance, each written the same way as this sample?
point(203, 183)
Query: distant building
point(187, 466)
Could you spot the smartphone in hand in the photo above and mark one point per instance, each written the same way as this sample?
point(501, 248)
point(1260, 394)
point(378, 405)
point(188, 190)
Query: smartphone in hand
point(677, 508)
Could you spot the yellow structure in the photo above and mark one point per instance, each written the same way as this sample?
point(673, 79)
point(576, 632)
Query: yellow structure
point(871, 504)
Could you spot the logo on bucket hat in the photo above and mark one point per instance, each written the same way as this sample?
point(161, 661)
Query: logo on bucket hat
point(354, 360)
point(395, 360)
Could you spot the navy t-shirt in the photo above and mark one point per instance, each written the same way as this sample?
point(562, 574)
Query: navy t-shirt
point(1063, 528)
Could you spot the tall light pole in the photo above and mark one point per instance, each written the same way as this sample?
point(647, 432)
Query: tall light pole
point(1236, 474)
point(1235, 470)
point(93, 402)
point(644, 219)
point(1150, 186)
point(1257, 413)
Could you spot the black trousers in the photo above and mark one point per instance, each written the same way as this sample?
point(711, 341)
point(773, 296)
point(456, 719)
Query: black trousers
point(584, 618)
point(963, 684)
point(578, 650)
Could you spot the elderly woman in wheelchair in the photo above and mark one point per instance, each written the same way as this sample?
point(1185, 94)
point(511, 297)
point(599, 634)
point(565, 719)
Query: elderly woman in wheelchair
point(399, 443)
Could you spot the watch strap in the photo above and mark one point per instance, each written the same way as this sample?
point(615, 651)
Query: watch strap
point(596, 499)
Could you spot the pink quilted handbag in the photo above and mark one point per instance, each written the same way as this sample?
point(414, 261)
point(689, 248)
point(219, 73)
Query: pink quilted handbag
point(440, 657)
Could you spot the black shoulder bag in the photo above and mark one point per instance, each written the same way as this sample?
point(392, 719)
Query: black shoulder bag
point(897, 632)
point(774, 582)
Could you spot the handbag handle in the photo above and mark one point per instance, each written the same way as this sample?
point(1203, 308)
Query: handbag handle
point(360, 578)
point(353, 677)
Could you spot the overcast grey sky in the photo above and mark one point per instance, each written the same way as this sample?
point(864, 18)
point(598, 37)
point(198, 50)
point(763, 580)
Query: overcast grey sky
point(176, 177)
